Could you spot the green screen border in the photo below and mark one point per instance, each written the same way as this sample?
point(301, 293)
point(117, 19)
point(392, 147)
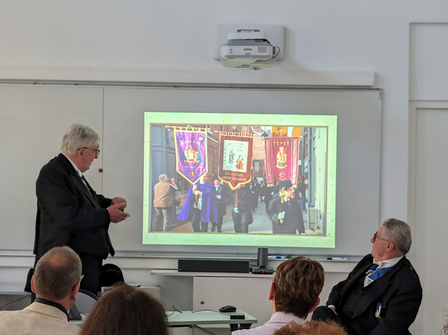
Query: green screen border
point(256, 240)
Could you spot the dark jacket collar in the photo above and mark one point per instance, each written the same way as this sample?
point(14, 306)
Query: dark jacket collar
point(54, 304)
point(75, 176)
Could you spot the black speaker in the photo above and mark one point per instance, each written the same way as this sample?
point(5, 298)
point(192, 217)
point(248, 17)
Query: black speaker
point(262, 263)
point(262, 259)
point(202, 265)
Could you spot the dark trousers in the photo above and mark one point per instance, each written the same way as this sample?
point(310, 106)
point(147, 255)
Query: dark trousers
point(195, 220)
point(218, 224)
point(240, 225)
point(197, 224)
point(91, 267)
point(266, 202)
point(204, 227)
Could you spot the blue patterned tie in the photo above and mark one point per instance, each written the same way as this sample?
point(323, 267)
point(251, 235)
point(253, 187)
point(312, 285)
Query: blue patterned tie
point(378, 273)
point(85, 183)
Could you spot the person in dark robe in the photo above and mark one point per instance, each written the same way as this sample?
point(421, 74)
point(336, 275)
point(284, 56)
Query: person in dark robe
point(261, 190)
point(221, 201)
point(285, 211)
point(200, 205)
point(269, 193)
point(242, 212)
point(255, 192)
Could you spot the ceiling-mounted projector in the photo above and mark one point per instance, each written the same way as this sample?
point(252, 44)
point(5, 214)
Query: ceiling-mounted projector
point(248, 48)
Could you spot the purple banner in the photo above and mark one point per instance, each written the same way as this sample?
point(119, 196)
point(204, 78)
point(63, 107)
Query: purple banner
point(191, 154)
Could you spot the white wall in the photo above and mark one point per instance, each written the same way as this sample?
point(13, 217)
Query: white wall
point(327, 35)
point(320, 36)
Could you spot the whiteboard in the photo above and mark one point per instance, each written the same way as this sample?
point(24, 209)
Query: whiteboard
point(358, 153)
point(34, 118)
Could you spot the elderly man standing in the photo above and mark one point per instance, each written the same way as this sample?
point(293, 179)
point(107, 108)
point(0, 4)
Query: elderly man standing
point(163, 203)
point(70, 212)
point(382, 294)
point(56, 283)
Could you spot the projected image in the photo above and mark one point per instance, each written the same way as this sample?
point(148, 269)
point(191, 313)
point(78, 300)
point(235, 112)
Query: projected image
point(239, 179)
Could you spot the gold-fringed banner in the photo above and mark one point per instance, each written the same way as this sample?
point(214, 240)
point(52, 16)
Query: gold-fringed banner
point(235, 159)
point(191, 154)
point(282, 159)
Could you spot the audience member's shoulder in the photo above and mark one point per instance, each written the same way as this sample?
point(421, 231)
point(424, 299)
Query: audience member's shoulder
point(409, 270)
point(406, 266)
point(21, 321)
point(3, 316)
point(367, 258)
point(251, 331)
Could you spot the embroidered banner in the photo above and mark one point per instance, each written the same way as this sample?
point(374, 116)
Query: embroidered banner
point(235, 159)
point(282, 159)
point(191, 154)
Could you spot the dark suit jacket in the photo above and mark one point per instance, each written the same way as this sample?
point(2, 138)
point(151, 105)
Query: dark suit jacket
point(222, 203)
point(68, 214)
point(244, 204)
point(293, 216)
point(399, 291)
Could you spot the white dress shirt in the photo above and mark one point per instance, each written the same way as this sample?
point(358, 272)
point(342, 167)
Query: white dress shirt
point(76, 169)
point(74, 165)
point(388, 263)
point(277, 321)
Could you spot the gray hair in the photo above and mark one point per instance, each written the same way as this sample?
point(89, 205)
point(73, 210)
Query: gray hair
point(57, 272)
point(162, 177)
point(399, 233)
point(445, 320)
point(78, 136)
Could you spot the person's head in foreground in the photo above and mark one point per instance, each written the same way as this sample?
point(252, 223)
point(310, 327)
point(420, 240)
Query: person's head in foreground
point(296, 286)
point(126, 310)
point(393, 239)
point(311, 328)
point(57, 276)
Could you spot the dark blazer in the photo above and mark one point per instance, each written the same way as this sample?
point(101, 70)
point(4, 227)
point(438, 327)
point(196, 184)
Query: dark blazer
point(222, 203)
point(244, 204)
point(399, 291)
point(293, 216)
point(68, 214)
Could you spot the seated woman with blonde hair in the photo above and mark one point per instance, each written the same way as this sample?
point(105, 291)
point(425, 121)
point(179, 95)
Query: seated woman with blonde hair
point(311, 328)
point(126, 310)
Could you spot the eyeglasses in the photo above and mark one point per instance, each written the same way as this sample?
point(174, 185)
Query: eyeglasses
point(97, 151)
point(375, 236)
point(82, 276)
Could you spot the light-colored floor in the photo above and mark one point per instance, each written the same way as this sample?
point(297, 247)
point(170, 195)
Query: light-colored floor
point(261, 224)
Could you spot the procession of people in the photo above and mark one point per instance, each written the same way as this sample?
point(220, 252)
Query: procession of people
point(209, 204)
